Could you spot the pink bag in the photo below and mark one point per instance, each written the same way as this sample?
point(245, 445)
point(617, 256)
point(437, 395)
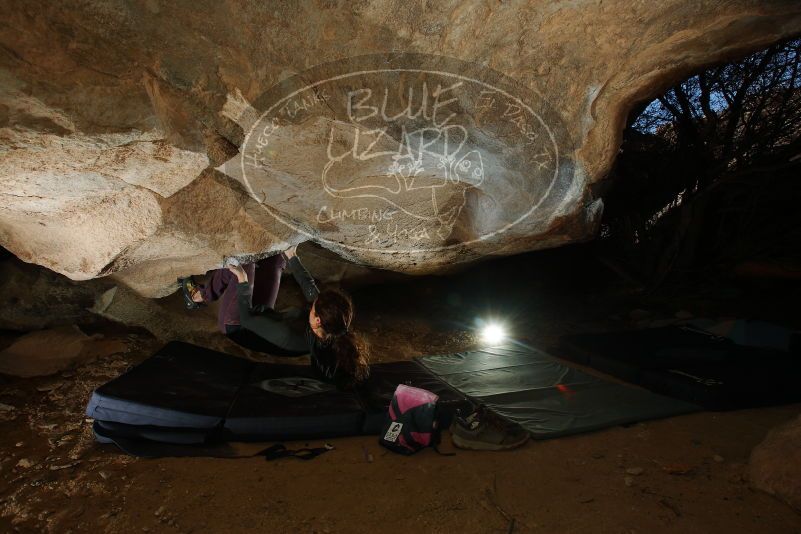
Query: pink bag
point(412, 421)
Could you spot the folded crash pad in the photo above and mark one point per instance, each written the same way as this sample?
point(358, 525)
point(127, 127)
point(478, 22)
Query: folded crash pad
point(187, 394)
point(181, 386)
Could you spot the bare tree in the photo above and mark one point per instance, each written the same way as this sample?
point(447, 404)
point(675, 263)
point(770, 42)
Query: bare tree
point(709, 171)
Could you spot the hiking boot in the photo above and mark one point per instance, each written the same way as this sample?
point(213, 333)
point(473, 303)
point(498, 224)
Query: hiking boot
point(485, 431)
point(188, 289)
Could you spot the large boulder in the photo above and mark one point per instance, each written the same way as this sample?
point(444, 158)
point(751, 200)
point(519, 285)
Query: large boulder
point(150, 139)
point(775, 465)
point(46, 352)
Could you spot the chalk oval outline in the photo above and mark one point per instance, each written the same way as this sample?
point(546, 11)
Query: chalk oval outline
point(387, 58)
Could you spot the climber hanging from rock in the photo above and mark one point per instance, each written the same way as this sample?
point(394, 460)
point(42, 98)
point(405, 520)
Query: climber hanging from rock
point(247, 295)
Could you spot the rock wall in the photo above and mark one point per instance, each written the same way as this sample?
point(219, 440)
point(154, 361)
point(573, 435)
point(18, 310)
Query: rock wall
point(126, 128)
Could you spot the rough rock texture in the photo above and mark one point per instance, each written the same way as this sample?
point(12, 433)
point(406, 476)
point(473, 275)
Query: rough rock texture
point(123, 126)
point(775, 465)
point(33, 298)
point(165, 319)
point(36, 299)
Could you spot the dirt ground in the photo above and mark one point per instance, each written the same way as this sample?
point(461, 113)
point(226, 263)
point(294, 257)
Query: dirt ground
point(682, 474)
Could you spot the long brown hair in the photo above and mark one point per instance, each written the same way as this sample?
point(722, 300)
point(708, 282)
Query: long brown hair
point(335, 310)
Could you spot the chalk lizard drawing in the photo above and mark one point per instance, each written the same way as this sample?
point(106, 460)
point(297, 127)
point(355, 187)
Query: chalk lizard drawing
point(412, 170)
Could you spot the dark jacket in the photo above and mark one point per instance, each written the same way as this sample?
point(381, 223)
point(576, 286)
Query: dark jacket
point(290, 339)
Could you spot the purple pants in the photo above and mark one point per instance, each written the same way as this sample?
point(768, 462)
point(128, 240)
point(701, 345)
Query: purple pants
point(264, 278)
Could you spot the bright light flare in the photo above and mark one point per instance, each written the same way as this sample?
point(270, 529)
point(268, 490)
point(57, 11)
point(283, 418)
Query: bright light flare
point(493, 334)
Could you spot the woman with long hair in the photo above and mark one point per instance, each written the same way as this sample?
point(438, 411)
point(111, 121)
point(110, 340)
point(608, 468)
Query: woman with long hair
point(338, 354)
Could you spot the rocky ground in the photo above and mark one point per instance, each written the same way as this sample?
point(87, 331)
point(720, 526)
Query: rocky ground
point(687, 473)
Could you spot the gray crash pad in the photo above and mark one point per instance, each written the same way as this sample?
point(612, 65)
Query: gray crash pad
point(546, 397)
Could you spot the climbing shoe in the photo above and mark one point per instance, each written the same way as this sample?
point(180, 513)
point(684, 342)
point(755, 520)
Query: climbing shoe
point(189, 288)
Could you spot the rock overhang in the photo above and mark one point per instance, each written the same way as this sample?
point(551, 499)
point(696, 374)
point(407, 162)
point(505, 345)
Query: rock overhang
point(118, 116)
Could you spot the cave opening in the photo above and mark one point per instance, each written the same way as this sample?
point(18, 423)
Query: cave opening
point(706, 182)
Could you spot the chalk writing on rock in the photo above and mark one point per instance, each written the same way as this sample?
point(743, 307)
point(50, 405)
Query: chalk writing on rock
point(403, 152)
